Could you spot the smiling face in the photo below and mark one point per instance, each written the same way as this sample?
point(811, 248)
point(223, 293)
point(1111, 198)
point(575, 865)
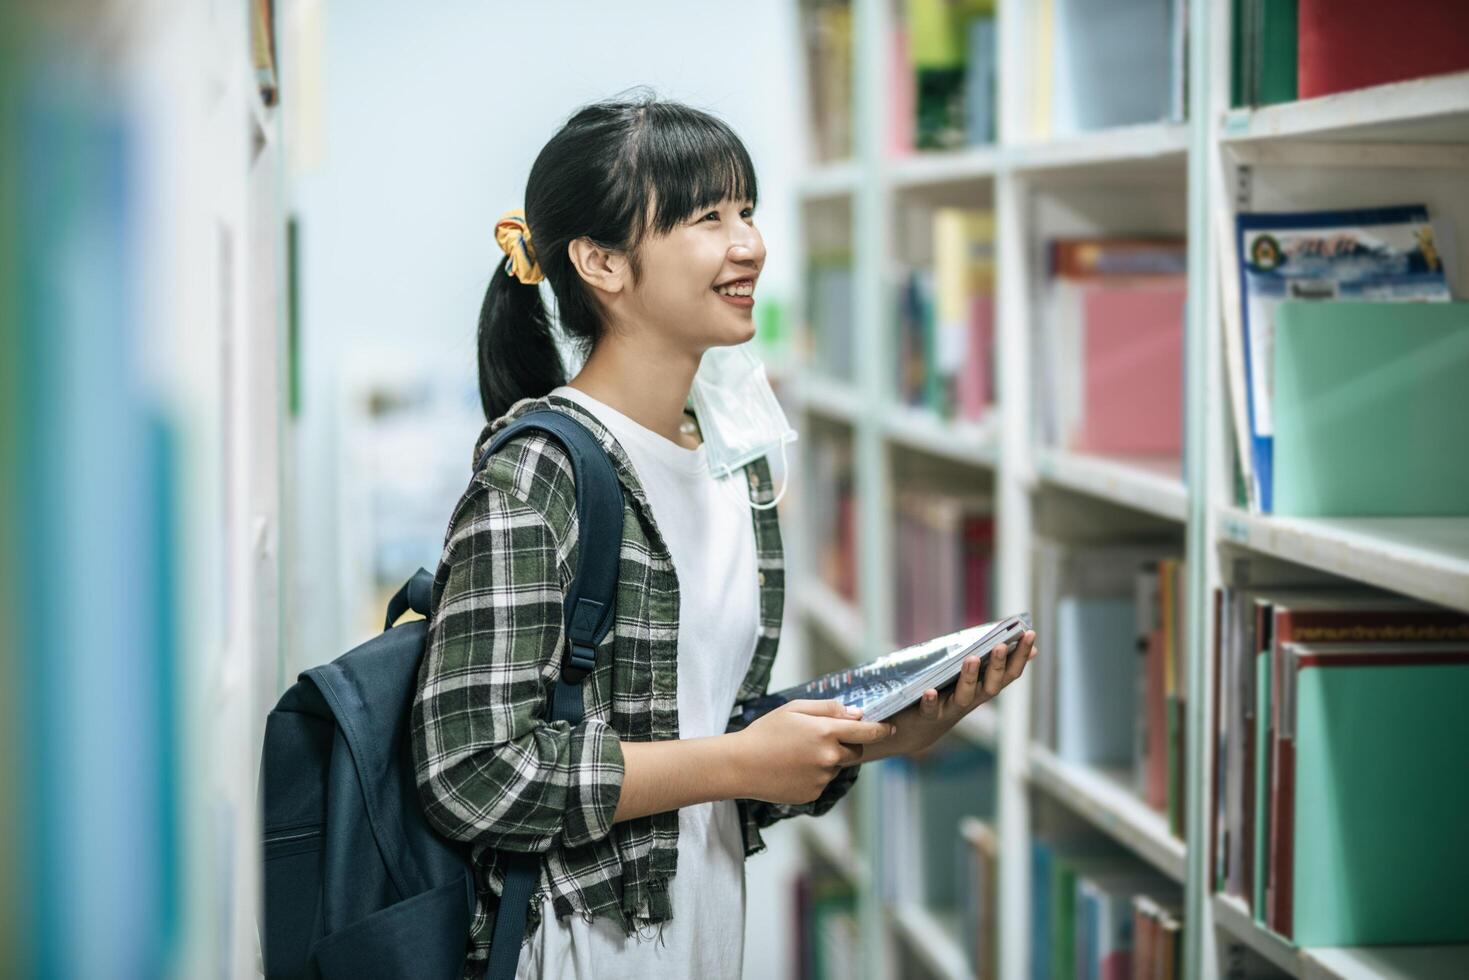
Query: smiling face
point(697, 283)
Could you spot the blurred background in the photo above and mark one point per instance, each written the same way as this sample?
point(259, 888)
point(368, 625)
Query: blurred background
point(243, 245)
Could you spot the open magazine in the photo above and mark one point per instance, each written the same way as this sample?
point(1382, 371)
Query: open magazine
point(887, 685)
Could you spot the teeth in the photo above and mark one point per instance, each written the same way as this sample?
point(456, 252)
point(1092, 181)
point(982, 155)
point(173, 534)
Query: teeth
point(736, 289)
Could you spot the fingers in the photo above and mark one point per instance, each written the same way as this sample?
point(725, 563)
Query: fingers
point(928, 705)
point(966, 691)
point(1021, 656)
point(994, 677)
point(859, 732)
point(851, 755)
point(826, 708)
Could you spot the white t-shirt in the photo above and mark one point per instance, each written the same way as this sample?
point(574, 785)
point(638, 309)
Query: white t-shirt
point(710, 534)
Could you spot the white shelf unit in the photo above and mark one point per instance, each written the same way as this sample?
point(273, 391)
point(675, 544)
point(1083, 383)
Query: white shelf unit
point(1104, 799)
point(931, 940)
point(1339, 963)
point(1143, 485)
point(1194, 170)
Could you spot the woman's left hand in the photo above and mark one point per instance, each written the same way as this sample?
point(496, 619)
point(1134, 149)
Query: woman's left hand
point(920, 725)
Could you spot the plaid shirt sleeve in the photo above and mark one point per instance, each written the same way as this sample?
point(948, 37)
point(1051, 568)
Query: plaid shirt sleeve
point(490, 768)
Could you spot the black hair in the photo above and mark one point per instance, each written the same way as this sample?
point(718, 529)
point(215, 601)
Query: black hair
point(598, 178)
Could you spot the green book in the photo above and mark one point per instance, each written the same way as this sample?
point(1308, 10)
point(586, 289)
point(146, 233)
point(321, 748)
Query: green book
point(1064, 875)
point(1262, 785)
point(1370, 403)
point(1275, 60)
point(1241, 23)
point(1381, 794)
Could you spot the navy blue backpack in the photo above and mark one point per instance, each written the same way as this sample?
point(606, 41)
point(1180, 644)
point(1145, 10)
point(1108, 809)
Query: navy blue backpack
point(356, 882)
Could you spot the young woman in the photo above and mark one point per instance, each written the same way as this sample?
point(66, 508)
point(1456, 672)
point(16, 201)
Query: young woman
point(643, 220)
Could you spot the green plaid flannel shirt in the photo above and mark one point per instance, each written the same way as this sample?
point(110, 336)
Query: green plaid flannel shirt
point(491, 770)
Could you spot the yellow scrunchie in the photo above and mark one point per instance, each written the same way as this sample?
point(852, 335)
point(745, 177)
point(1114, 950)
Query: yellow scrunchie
point(513, 234)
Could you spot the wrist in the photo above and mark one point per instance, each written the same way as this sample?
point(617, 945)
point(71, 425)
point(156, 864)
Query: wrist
point(731, 766)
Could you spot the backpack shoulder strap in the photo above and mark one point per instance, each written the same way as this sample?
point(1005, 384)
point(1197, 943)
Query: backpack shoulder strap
point(590, 601)
point(589, 606)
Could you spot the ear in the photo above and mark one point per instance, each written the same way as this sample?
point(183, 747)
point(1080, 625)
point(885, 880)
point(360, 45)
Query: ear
point(600, 268)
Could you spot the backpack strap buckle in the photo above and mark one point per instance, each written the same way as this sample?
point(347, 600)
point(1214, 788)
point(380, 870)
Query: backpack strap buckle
point(579, 661)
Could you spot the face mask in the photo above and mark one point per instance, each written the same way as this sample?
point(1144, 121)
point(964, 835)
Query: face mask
point(738, 413)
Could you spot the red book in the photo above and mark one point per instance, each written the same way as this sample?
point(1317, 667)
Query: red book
point(979, 548)
point(1347, 44)
point(1132, 375)
point(975, 383)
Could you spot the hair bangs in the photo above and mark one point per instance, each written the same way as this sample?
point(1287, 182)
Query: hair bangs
point(687, 161)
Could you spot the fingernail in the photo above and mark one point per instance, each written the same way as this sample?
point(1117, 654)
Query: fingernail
point(854, 711)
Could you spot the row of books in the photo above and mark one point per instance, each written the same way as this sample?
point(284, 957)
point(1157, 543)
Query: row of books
point(946, 315)
point(1288, 49)
point(1097, 65)
point(830, 314)
point(944, 76)
point(921, 854)
point(1109, 358)
point(1096, 914)
point(1113, 696)
point(833, 514)
point(826, 27)
point(1345, 364)
point(1341, 781)
point(828, 938)
point(945, 547)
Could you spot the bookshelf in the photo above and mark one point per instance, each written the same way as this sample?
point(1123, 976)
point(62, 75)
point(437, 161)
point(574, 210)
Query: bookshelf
point(1181, 178)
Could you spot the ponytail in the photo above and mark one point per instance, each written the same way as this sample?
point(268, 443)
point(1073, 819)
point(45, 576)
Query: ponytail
point(616, 172)
point(518, 357)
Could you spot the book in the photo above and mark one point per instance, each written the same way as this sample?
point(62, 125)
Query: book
point(1320, 620)
point(903, 103)
point(1157, 936)
point(1132, 373)
point(1383, 254)
point(890, 683)
point(940, 39)
point(1253, 627)
point(981, 82)
point(1113, 64)
point(830, 313)
point(945, 313)
point(1104, 921)
point(1095, 661)
point(1263, 52)
point(1348, 44)
point(979, 856)
point(944, 546)
point(1369, 400)
point(1374, 737)
point(834, 514)
point(827, 30)
point(1112, 313)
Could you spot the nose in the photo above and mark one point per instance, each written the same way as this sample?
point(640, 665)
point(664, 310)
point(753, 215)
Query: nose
point(746, 244)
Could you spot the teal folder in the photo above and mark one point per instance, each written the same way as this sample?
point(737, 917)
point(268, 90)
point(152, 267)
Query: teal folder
point(1371, 400)
point(1382, 794)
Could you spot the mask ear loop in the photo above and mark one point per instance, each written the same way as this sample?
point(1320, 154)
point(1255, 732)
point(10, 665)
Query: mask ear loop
point(785, 468)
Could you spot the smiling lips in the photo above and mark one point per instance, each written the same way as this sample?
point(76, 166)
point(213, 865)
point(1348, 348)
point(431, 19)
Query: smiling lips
point(737, 293)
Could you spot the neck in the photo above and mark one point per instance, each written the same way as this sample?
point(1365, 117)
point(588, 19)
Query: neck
point(648, 384)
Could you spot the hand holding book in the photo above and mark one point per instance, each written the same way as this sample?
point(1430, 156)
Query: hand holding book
point(921, 724)
point(792, 752)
